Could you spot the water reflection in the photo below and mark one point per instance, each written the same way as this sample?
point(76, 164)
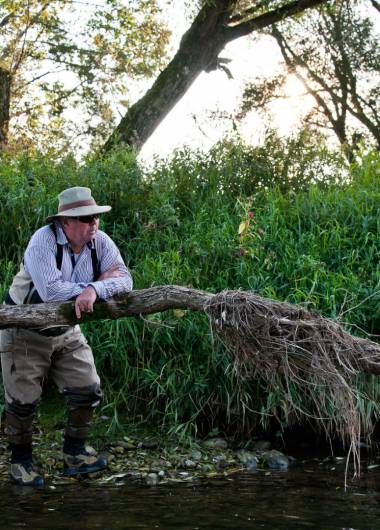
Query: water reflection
point(306, 496)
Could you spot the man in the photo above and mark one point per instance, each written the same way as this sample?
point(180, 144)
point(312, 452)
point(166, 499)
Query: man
point(66, 260)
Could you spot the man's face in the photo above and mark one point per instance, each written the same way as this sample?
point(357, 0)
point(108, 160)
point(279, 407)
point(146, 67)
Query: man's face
point(78, 232)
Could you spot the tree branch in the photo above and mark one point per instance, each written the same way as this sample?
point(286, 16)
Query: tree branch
point(246, 14)
point(199, 49)
point(267, 19)
point(135, 303)
point(376, 5)
point(244, 320)
point(286, 51)
point(6, 19)
point(7, 50)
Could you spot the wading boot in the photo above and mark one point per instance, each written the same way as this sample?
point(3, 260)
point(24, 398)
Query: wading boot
point(23, 474)
point(87, 461)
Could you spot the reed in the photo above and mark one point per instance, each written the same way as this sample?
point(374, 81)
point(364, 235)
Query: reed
point(308, 235)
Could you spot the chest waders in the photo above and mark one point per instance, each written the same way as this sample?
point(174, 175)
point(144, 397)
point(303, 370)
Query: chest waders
point(81, 399)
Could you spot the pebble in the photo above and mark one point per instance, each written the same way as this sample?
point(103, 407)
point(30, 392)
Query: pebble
point(152, 479)
point(216, 443)
point(247, 458)
point(185, 463)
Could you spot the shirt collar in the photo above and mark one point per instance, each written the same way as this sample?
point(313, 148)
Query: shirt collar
point(62, 239)
point(61, 236)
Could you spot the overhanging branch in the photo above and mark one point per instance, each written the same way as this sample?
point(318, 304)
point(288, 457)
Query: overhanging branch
point(376, 5)
point(271, 17)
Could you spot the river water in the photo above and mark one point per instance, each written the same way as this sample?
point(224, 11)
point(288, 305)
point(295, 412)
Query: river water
point(308, 495)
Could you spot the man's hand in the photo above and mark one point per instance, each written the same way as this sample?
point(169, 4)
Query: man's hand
point(84, 303)
point(113, 272)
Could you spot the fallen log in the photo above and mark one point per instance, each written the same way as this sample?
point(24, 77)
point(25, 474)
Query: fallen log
point(135, 303)
point(284, 345)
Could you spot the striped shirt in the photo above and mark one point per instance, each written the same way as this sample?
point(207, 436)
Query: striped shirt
point(53, 284)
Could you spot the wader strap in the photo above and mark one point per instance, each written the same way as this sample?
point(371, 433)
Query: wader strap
point(95, 262)
point(35, 298)
point(59, 255)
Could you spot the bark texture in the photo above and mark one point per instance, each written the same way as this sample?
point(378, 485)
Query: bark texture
point(5, 91)
point(135, 303)
point(215, 26)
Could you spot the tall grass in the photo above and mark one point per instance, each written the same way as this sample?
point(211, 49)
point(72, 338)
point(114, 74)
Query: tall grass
point(311, 237)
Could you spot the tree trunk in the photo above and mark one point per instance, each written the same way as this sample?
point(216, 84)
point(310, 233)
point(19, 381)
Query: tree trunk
point(199, 50)
point(199, 47)
point(5, 91)
point(376, 5)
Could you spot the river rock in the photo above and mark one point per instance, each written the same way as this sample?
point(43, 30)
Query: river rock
point(220, 462)
point(275, 459)
point(248, 459)
point(152, 479)
point(261, 445)
point(128, 445)
point(196, 455)
point(186, 463)
point(148, 443)
point(216, 443)
point(118, 449)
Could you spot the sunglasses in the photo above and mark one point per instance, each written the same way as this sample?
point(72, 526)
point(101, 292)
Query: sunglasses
point(86, 219)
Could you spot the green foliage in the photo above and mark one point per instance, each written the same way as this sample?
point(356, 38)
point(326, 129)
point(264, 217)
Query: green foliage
point(335, 53)
point(64, 54)
point(234, 218)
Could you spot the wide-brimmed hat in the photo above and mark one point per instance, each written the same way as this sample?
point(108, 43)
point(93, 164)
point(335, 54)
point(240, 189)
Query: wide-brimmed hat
point(77, 201)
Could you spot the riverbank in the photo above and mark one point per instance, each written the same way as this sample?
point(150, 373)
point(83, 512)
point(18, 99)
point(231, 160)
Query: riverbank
point(298, 229)
point(153, 460)
point(144, 458)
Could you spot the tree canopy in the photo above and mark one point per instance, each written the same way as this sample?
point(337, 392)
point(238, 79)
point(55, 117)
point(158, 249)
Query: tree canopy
point(217, 23)
point(335, 53)
point(60, 55)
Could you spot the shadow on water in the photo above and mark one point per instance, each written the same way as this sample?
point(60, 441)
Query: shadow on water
point(307, 496)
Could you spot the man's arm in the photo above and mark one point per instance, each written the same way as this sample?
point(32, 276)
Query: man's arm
point(40, 263)
point(84, 303)
point(115, 278)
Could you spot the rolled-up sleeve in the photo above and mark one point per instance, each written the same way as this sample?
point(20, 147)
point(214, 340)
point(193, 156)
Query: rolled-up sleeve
point(111, 258)
point(53, 284)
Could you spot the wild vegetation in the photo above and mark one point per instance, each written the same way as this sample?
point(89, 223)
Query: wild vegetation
point(289, 220)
